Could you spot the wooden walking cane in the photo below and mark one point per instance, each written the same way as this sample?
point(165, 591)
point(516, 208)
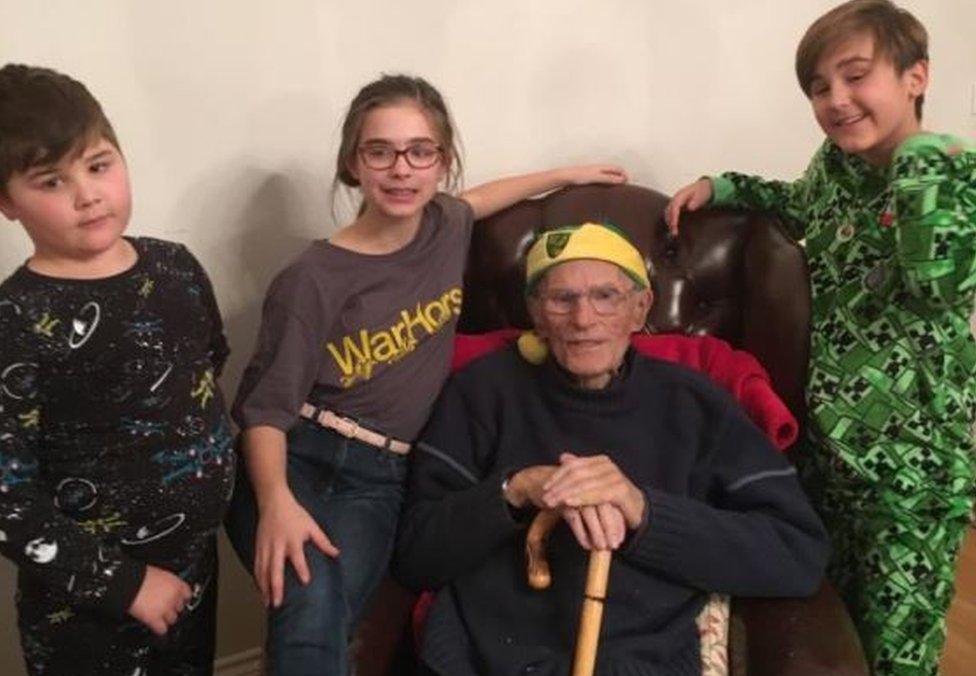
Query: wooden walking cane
point(591, 616)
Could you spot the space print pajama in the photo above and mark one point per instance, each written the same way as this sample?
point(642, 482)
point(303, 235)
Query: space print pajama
point(115, 453)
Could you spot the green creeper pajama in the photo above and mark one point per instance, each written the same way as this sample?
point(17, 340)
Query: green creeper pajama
point(889, 458)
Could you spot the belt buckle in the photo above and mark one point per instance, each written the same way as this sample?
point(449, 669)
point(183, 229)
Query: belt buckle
point(349, 426)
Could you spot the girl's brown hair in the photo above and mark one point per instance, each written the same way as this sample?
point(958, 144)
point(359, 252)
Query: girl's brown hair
point(389, 90)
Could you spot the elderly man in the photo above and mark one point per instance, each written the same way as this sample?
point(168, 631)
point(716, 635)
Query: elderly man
point(638, 455)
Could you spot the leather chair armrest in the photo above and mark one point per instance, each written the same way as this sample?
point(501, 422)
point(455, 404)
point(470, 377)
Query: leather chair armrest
point(381, 645)
point(800, 637)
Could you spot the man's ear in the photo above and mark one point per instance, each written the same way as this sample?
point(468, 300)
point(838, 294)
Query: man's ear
point(535, 315)
point(645, 299)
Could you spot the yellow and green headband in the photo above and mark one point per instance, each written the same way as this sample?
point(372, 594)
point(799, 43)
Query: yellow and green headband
point(590, 241)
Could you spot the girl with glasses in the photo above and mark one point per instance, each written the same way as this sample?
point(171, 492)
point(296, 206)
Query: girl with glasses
point(355, 343)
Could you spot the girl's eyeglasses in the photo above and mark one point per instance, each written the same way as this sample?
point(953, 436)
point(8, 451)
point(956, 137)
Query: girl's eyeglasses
point(417, 155)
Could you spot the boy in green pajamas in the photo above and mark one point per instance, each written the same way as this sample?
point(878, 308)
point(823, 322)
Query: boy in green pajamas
point(888, 213)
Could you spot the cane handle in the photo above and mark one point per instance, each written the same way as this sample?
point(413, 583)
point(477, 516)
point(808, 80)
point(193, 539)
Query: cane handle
point(535, 549)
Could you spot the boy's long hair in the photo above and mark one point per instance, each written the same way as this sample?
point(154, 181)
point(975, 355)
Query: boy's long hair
point(44, 116)
point(897, 34)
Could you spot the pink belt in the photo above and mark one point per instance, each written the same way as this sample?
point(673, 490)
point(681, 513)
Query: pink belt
point(351, 429)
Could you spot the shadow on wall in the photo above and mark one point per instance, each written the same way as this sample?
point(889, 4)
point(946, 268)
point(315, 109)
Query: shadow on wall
point(276, 223)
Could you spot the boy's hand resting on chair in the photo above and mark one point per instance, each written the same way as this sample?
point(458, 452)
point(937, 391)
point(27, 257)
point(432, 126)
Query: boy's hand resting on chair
point(692, 197)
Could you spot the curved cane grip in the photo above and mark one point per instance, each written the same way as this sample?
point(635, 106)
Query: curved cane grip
point(537, 566)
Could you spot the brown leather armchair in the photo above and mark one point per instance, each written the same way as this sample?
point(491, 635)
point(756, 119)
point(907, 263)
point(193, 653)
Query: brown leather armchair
point(732, 274)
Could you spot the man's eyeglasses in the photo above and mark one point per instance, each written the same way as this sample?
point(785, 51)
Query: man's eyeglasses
point(417, 155)
point(603, 300)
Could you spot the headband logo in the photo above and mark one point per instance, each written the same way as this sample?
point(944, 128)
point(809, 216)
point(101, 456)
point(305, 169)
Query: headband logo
point(556, 242)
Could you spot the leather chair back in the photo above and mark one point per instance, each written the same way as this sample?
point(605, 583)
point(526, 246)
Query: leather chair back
point(731, 274)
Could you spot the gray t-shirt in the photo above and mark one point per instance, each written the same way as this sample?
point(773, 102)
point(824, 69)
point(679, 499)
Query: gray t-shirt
point(368, 336)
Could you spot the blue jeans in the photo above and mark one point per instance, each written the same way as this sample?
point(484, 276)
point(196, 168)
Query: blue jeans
point(354, 491)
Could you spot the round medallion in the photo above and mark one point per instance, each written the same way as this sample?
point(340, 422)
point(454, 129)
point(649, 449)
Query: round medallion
point(876, 278)
point(845, 232)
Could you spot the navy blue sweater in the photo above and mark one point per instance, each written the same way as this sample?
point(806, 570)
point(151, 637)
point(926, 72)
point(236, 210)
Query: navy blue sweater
point(725, 513)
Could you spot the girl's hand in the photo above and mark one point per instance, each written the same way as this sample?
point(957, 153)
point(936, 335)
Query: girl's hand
point(490, 198)
point(691, 197)
point(160, 600)
point(283, 528)
point(593, 480)
point(608, 174)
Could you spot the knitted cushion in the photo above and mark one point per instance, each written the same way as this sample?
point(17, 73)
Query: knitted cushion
point(713, 628)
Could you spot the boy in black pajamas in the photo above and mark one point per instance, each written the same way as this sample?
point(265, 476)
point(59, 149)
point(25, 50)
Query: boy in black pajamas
point(115, 456)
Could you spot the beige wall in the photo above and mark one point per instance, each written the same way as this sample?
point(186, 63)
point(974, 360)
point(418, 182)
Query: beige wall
point(228, 112)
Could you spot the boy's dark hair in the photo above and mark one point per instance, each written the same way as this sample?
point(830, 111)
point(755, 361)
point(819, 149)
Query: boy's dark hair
point(44, 115)
point(897, 35)
point(390, 90)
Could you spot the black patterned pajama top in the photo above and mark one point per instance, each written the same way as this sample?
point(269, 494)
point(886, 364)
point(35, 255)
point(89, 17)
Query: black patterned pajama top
point(115, 450)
